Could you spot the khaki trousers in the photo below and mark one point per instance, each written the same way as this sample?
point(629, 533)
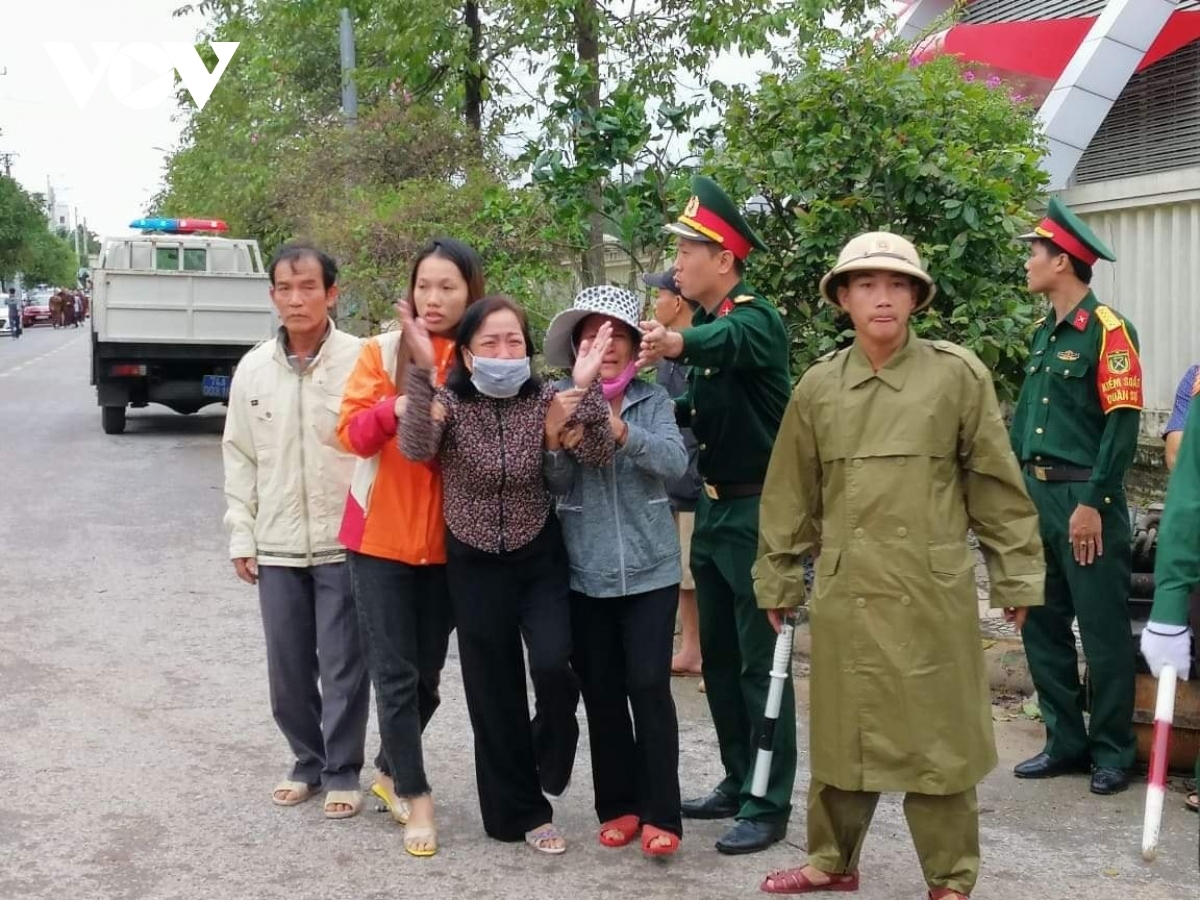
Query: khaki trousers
point(945, 832)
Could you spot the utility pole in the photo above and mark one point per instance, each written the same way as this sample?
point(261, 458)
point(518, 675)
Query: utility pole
point(349, 92)
point(6, 159)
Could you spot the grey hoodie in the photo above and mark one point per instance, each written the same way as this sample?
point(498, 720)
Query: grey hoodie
point(616, 519)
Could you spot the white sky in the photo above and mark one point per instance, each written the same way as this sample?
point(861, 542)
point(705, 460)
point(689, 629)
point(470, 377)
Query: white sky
point(105, 160)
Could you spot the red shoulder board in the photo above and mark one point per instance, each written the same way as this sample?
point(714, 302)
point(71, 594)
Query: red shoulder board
point(1119, 374)
point(1081, 320)
point(725, 308)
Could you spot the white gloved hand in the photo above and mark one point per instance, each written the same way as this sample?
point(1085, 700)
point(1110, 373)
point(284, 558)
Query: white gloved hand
point(1167, 645)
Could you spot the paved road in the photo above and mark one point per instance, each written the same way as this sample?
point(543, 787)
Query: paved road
point(137, 750)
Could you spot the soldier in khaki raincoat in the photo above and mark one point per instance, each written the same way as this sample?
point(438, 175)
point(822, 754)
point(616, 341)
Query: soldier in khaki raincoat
point(888, 452)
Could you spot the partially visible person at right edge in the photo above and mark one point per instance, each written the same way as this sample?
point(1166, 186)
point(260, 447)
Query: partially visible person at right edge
point(1167, 636)
point(396, 535)
point(505, 561)
point(1075, 432)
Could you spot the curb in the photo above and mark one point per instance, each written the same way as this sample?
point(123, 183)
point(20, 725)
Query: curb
point(1008, 672)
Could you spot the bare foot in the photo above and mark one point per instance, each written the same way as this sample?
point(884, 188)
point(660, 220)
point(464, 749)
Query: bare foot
point(658, 841)
point(685, 663)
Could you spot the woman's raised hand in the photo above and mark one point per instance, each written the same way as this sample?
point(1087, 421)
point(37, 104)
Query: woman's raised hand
point(590, 356)
point(416, 337)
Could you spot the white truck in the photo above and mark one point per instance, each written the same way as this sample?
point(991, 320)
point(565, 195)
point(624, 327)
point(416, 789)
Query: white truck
point(172, 312)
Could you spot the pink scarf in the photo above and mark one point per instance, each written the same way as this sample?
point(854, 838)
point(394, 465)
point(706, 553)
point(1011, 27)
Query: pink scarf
point(614, 387)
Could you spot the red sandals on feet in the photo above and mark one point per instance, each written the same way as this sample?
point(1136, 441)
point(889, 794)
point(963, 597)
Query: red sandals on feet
point(650, 835)
point(794, 881)
point(626, 826)
point(947, 894)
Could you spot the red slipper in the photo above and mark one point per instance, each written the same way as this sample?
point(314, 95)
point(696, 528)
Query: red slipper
point(794, 881)
point(650, 834)
point(627, 826)
point(947, 894)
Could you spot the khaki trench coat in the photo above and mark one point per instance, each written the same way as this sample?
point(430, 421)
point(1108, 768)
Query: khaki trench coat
point(882, 474)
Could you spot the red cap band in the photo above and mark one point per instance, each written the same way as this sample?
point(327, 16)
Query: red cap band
point(711, 225)
point(1052, 231)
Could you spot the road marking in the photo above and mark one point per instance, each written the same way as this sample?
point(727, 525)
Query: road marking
point(47, 354)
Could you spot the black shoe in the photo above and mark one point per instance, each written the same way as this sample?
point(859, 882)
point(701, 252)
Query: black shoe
point(748, 836)
point(713, 806)
point(1045, 766)
point(1106, 780)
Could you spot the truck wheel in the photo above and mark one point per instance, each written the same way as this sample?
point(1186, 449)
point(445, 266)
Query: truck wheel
point(113, 419)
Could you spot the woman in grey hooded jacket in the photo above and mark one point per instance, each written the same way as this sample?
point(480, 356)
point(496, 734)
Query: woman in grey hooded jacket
point(624, 557)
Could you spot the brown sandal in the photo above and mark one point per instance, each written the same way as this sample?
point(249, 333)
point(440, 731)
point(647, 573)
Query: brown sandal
point(947, 894)
point(794, 881)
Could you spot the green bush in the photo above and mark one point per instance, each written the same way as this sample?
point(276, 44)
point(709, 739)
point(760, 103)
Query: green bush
point(853, 137)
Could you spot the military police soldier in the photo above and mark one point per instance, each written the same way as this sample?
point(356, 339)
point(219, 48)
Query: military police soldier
point(1075, 431)
point(889, 450)
point(737, 349)
point(1167, 637)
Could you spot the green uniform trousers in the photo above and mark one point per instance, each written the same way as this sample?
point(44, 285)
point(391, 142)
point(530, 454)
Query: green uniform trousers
point(1097, 595)
point(738, 646)
point(945, 832)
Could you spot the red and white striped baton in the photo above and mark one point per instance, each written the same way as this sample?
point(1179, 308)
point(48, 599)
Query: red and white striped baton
point(1156, 792)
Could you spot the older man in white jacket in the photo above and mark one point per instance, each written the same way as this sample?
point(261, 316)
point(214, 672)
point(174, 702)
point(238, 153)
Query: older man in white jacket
point(286, 478)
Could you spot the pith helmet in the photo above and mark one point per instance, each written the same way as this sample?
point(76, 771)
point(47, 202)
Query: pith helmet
point(879, 251)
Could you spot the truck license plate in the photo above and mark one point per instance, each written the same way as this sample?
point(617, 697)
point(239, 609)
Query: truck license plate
point(216, 386)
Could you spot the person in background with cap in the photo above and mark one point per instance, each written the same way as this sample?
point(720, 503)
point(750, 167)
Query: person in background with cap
point(625, 571)
point(675, 311)
point(738, 350)
point(889, 451)
point(1075, 432)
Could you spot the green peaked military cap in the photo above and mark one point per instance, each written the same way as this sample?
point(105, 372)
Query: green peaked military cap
point(712, 217)
point(1066, 230)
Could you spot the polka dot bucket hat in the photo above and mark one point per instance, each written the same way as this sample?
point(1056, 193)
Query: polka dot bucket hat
point(606, 300)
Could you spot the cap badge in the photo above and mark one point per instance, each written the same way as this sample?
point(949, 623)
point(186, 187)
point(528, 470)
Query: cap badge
point(692, 208)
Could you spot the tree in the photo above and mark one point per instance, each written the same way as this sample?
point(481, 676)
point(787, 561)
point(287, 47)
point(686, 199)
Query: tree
point(22, 223)
point(47, 258)
point(852, 137)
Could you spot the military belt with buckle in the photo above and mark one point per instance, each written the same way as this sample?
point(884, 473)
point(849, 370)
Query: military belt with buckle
point(732, 491)
point(1058, 473)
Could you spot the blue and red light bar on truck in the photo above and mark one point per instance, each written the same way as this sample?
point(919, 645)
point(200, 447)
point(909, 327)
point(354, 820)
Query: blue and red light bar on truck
point(178, 226)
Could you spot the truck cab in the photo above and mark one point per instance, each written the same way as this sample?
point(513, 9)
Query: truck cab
point(173, 310)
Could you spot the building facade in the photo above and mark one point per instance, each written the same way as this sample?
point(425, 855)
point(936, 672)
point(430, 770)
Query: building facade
point(1118, 88)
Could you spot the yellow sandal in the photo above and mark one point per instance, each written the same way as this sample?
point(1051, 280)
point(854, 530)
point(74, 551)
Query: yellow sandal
point(420, 840)
point(390, 803)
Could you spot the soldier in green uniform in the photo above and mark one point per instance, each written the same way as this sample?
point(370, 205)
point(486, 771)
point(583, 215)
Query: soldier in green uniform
point(1167, 638)
point(888, 452)
point(737, 349)
point(1075, 431)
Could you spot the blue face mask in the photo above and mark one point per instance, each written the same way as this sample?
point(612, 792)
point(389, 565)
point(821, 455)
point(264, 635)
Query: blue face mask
point(499, 379)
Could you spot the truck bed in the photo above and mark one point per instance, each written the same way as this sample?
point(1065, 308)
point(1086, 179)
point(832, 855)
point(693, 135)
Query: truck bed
point(133, 307)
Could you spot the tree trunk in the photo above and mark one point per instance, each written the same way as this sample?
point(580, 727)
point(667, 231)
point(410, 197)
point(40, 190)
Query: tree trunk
point(473, 81)
point(587, 49)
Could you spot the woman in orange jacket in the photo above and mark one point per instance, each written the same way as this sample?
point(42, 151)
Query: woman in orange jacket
point(394, 530)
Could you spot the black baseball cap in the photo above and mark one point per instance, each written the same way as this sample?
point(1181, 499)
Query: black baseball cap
point(664, 281)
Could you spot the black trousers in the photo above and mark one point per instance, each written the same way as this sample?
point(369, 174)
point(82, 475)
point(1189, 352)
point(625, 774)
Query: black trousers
point(498, 599)
point(405, 619)
point(622, 653)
